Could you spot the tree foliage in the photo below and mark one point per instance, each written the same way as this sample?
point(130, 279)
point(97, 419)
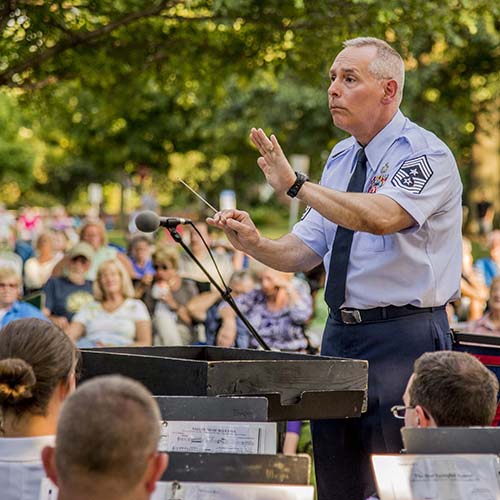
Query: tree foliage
point(176, 84)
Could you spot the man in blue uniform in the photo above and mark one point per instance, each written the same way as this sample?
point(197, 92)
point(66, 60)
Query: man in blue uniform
point(386, 221)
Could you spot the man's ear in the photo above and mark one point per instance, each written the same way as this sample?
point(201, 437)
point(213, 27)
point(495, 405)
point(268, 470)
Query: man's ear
point(422, 419)
point(156, 466)
point(49, 463)
point(390, 91)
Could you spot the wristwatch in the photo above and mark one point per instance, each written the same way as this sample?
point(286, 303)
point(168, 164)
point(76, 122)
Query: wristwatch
point(301, 178)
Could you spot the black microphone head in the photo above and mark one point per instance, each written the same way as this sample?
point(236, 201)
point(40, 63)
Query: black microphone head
point(147, 221)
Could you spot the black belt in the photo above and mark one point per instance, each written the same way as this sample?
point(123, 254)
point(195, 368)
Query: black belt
point(355, 316)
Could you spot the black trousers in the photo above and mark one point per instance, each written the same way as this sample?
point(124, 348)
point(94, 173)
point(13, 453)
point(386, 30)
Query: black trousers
point(342, 447)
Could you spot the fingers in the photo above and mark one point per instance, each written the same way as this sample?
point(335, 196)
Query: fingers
point(262, 142)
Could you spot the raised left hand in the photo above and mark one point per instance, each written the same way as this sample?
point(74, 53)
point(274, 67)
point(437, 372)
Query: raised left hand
point(273, 162)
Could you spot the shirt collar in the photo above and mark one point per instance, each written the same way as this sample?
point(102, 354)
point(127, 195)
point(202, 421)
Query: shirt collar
point(24, 449)
point(378, 146)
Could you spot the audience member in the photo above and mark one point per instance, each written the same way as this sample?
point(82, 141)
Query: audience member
point(94, 233)
point(140, 251)
point(65, 295)
point(189, 269)
point(114, 317)
point(489, 324)
point(29, 224)
point(37, 269)
point(489, 267)
point(11, 307)
point(37, 372)
point(449, 389)
point(241, 282)
point(278, 310)
point(167, 300)
point(474, 292)
point(109, 453)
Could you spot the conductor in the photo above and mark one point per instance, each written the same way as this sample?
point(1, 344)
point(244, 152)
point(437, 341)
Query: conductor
point(385, 220)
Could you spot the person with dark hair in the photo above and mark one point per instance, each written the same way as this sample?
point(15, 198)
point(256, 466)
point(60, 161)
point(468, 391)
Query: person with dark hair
point(449, 389)
point(113, 456)
point(38, 365)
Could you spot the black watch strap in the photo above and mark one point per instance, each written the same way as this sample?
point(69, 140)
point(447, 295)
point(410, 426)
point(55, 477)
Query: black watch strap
point(301, 178)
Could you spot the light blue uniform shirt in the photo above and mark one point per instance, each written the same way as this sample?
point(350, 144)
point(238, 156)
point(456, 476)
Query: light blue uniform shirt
point(420, 265)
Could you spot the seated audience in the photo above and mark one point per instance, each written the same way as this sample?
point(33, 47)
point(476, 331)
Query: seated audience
point(11, 307)
point(241, 282)
point(449, 389)
point(65, 295)
point(113, 454)
point(489, 324)
point(278, 310)
point(93, 232)
point(489, 267)
point(167, 299)
point(114, 317)
point(189, 269)
point(140, 251)
point(37, 270)
point(37, 372)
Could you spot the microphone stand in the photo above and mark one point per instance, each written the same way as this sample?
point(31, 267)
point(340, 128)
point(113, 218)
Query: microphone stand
point(225, 294)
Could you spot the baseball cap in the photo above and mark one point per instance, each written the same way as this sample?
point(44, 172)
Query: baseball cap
point(83, 249)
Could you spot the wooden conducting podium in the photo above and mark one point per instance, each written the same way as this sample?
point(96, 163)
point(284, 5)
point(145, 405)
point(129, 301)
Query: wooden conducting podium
point(297, 386)
point(219, 409)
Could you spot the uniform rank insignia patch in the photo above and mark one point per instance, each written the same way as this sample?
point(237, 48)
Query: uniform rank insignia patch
point(413, 175)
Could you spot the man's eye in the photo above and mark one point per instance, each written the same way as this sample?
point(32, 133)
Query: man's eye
point(349, 79)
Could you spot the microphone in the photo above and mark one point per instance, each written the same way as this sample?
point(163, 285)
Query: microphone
point(148, 221)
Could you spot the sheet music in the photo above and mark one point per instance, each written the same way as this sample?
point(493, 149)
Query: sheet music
point(231, 491)
point(437, 477)
point(218, 437)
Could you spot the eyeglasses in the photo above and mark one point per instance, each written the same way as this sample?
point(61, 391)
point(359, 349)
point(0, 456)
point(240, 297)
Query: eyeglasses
point(80, 258)
point(163, 267)
point(399, 411)
point(9, 285)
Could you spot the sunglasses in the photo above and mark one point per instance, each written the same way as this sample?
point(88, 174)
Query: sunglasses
point(162, 267)
point(80, 258)
point(9, 285)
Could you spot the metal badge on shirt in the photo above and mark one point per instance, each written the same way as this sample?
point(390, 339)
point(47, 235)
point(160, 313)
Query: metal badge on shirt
point(413, 175)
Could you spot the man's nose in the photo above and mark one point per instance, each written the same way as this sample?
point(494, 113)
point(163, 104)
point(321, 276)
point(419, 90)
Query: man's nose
point(333, 89)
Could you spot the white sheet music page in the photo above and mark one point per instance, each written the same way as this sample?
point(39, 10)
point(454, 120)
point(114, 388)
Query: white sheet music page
point(437, 477)
point(218, 437)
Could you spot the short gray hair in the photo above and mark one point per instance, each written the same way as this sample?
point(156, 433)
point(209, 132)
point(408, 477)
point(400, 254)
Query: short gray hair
point(388, 63)
point(107, 429)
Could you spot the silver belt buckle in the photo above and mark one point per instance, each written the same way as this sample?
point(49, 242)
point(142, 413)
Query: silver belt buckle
point(350, 316)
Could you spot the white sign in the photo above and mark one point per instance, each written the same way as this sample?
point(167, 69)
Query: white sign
point(218, 437)
point(95, 193)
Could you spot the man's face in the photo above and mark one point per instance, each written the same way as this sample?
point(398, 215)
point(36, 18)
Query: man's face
point(355, 95)
point(411, 418)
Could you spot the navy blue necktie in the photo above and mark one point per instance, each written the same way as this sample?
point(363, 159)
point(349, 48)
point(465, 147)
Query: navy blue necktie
point(335, 288)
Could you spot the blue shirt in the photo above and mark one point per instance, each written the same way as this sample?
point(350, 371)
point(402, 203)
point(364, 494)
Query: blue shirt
point(488, 269)
point(21, 310)
point(420, 265)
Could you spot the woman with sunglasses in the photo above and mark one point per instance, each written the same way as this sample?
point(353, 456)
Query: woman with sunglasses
point(11, 307)
point(167, 300)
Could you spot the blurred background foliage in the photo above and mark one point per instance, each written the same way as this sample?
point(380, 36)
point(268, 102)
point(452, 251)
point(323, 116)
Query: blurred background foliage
point(140, 93)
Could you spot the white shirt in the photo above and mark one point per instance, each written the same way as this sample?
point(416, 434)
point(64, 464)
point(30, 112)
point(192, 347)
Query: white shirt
point(419, 266)
point(112, 328)
point(21, 468)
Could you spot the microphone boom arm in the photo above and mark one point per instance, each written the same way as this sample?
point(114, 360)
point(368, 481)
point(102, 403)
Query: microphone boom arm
point(225, 294)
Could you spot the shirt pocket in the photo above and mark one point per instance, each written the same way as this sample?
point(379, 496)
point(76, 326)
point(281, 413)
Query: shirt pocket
point(374, 243)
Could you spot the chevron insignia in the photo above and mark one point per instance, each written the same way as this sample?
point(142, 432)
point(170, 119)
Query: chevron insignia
point(413, 175)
